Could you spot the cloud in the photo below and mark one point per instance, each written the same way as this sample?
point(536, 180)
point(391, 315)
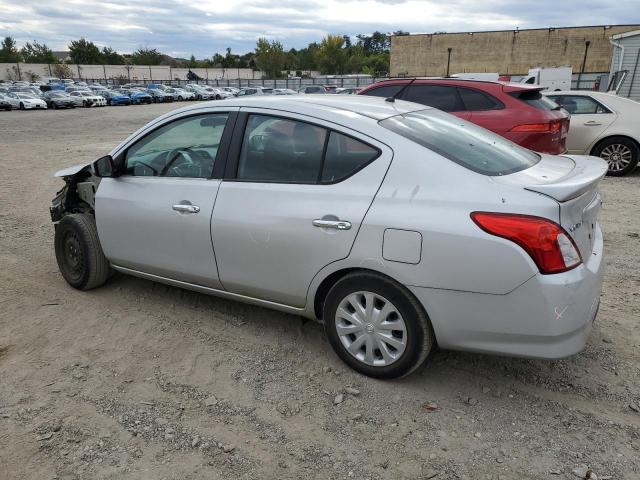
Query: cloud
point(179, 28)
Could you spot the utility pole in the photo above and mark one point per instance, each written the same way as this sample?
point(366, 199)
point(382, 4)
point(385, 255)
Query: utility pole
point(448, 59)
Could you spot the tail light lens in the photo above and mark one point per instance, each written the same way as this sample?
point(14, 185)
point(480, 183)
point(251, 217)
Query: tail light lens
point(546, 242)
point(549, 127)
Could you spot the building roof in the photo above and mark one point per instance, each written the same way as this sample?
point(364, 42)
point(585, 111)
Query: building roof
point(632, 33)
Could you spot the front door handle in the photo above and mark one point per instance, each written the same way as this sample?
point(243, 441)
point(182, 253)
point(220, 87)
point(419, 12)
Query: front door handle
point(592, 123)
point(337, 224)
point(186, 208)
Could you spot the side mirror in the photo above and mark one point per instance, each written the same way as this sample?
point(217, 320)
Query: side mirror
point(104, 167)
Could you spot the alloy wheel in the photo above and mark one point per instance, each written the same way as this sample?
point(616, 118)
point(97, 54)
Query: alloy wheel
point(371, 328)
point(617, 155)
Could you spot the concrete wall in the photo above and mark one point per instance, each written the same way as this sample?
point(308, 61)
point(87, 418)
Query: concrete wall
point(135, 72)
point(506, 52)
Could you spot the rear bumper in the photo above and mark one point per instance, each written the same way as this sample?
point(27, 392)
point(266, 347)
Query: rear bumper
point(549, 316)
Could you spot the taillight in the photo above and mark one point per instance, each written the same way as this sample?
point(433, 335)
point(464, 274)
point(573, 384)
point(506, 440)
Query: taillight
point(549, 127)
point(546, 242)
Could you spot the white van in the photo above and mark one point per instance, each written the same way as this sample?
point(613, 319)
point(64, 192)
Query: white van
point(552, 78)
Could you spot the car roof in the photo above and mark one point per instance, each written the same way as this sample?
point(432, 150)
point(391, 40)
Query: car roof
point(376, 108)
point(507, 86)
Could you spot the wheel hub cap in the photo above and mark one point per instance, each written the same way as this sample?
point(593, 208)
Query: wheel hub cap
point(371, 328)
point(617, 155)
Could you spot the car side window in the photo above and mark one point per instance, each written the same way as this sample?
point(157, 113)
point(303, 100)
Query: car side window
point(442, 97)
point(345, 156)
point(477, 101)
point(280, 150)
point(183, 148)
point(384, 91)
point(580, 104)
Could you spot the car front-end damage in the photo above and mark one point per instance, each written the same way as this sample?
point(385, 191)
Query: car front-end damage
point(78, 193)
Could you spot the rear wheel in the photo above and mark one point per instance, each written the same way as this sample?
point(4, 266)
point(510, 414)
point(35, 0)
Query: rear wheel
point(622, 155)
point(21, 106)
point(78, 252)
point(376, 326)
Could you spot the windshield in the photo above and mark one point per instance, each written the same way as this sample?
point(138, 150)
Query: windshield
point(471, 146)
point(26, 95)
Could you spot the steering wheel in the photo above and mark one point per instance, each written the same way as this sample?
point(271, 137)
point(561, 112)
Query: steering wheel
point(190, 156)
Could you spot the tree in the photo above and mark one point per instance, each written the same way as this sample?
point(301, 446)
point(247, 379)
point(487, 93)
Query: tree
point(37, 53)
point(270, 57)
point(62, 70)
point(377, 64)
point(331, 57)
point(8, 51)
point(377, 42)
point(85, 52)
point(146, 56)
point(111, 57)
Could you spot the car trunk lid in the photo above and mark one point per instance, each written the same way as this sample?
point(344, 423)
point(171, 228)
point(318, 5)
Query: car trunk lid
point(572, 181)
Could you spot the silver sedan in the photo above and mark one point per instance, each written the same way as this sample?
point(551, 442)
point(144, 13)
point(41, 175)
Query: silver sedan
point(397, 226)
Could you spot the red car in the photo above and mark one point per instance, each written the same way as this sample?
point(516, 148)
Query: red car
point(517, 112)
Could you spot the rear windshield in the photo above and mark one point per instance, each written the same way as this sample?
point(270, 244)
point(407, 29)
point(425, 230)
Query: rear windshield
point(535, 99)
point(462, 142)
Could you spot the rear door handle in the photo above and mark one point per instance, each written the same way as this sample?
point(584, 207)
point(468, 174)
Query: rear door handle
point(186, 208)
point(592, 123)
point(337, 224)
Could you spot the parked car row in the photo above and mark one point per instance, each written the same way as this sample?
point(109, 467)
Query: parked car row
point(69, 94)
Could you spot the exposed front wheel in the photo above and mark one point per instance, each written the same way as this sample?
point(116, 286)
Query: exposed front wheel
point(621, 154)
point(376, 326)
point(78, 252)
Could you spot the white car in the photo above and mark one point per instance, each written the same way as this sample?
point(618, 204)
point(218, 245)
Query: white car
point(26, 101)
point(218, 93)
point(604, 125)
point(85, 98)
point(231, 90)
point(395, 224)
point(181, 94)
point(200, 92)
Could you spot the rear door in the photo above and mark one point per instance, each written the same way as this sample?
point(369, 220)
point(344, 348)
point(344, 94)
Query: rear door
point(155, 217)
point(589, 119)
point(485, 110)
point(292, 201)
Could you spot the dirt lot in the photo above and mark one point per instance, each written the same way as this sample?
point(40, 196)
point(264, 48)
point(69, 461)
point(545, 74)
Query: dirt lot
point(140, 380)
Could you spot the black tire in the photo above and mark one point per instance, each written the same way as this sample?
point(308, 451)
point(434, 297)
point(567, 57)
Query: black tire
point(419, 333)
point(218, 97)
point(21, 106)
point(53, 105)
point(622, 142)
point(78, 252)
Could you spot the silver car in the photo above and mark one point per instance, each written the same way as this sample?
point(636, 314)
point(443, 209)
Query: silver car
point(397, 226)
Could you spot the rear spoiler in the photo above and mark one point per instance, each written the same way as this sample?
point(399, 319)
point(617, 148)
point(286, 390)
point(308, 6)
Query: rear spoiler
point(587, 173)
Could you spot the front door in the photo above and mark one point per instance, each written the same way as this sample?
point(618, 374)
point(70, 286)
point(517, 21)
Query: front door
point(155, 217)
point(299, 192)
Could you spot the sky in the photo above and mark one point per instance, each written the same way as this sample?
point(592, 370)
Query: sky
point(204, 27)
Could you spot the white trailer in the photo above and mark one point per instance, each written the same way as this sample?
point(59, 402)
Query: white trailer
point(551, 78)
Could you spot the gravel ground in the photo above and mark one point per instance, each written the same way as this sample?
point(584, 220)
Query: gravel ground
point(141, 380)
